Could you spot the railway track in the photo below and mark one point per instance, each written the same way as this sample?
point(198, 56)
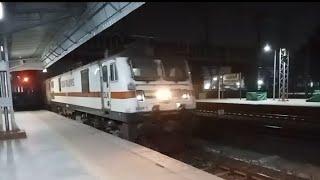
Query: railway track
point(195, 152)
point(230, 168)
point(255, 116)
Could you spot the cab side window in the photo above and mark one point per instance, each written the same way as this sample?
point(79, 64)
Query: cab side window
point(113, 72)
point(59, 81)
point(85, 80)
point(105, 74)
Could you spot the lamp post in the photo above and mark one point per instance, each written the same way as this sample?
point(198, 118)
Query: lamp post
point(267, 48)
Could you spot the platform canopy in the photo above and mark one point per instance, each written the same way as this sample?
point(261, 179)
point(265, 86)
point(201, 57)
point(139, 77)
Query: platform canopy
point(39, 34)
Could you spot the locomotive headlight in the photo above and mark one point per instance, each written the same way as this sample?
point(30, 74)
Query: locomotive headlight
point(140, 95)
point(185, 96)
point(163, 94)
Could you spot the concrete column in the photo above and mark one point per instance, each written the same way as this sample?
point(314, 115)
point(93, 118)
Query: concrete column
point(6, 105)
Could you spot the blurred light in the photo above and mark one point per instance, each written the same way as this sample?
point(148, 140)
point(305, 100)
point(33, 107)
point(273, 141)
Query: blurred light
point(238, 83)
point(44, 70)
point(1, 10)
point(215, 78)
point(140, 95)
point(96, 71)
point(207, 85)
point(311, 84)
point(178, 105)
point(260, 81)
point(185, 96)
point(163, 94)
point(1, 48)
point(267, 48)
point(25, 79)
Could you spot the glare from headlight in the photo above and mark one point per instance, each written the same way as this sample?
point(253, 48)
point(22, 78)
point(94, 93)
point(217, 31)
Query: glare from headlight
point(163, 94)
point(140, 95)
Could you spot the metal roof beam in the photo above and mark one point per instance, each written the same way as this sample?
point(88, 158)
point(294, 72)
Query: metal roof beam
point(24, 26)
point(97, 17)
point(25, 64)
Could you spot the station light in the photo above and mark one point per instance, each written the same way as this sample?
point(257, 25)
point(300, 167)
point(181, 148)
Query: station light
point(207, 85)
point(311, 84)
point(1, 48)
point(260, 82)
point(215, 78)
point(238, 83)
point(1, 11)
point(45, 70)
point(267, 48)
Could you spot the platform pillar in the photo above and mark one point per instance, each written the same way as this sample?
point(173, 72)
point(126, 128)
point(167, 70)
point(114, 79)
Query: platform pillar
point(8, 127)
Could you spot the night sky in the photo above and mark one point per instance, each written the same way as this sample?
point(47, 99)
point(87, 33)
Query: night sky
point(236, 28)
point(227, 24)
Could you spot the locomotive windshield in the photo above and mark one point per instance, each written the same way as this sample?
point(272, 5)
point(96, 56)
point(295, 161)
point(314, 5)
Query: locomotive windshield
point(144, 69)
point(174, 70)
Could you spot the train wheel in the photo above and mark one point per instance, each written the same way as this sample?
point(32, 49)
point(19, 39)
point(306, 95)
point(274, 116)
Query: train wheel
point(98, 123)
point(110, 126)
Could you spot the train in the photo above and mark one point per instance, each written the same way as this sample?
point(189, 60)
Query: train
point(122, 92)
point(27, 91)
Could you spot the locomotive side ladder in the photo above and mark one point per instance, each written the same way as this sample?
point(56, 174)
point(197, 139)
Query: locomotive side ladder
point(8, 127)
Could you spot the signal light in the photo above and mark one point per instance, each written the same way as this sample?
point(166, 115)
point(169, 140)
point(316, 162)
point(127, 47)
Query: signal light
point(25, 79)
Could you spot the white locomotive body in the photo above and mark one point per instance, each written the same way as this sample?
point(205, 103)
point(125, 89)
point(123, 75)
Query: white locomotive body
point(124, 89)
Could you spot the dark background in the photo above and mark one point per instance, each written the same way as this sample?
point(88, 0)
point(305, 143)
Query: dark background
point(217, 34)
point(230, 34)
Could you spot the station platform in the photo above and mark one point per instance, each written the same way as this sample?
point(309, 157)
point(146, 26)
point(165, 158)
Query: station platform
point(60, 148)
point(293, 110)
point(276, 102)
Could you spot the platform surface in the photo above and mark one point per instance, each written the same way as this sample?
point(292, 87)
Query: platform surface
point(276, 102)
point(60, 148)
